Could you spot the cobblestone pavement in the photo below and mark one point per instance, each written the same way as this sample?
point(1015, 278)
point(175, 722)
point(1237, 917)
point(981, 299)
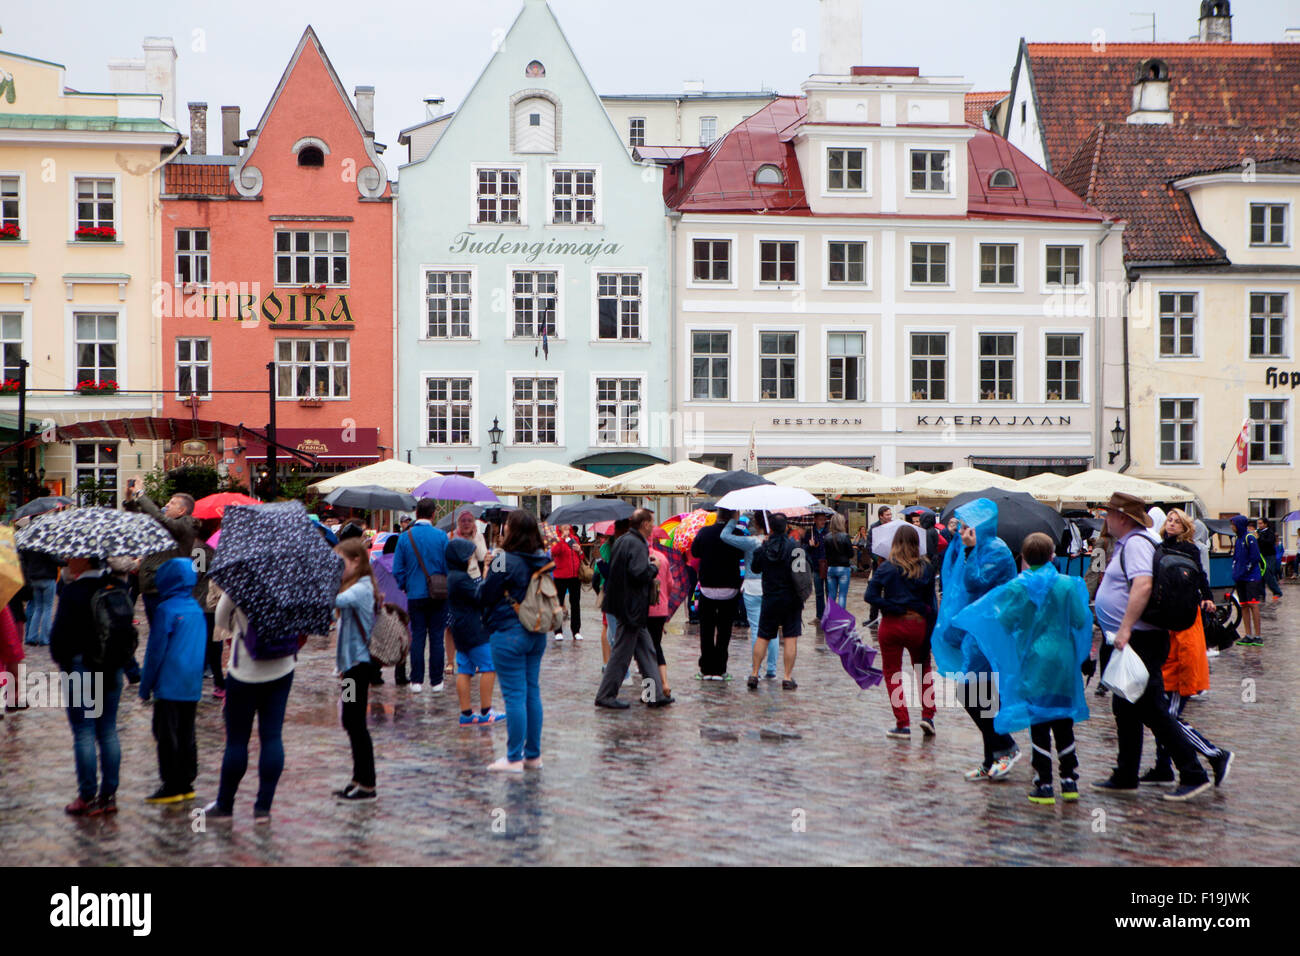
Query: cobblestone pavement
point(715, 779)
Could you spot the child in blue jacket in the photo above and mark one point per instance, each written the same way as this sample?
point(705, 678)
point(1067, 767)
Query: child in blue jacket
point(173, 675)
point(473, 652)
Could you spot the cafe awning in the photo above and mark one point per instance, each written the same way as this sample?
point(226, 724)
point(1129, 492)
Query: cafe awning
point(329, 446)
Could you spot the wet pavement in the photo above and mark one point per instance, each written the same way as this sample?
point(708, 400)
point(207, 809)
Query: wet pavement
point(725, 776)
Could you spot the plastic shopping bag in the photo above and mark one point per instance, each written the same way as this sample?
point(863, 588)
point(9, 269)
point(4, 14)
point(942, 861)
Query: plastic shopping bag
point(1126, 675)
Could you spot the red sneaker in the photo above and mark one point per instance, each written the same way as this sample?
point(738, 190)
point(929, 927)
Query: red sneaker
point(79, 808)
point(104, 805)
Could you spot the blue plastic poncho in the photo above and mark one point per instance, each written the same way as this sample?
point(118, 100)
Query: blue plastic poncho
point(1035, 631)
point(966, 579)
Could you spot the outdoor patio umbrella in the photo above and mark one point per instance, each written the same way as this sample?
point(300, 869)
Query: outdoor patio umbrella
point(393, 474)
point(832, 478)
point(40, 506)
point(675, 479)
point(214, 505)
point(784, 476)
point(590, 511)
point(276, 566)
point(95, 532)
point(454, 488)
point(1043, 485)
point(949, 484)
point(727, 481)
point(767, 498)
point(882, 539)
point(545, 477)
point(1098, 485)
point(370, 498)
point(1019, 515)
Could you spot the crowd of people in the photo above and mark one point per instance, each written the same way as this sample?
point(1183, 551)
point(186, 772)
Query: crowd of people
point(998, 618)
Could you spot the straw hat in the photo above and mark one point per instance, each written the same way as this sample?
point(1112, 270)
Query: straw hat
point(1135, 508)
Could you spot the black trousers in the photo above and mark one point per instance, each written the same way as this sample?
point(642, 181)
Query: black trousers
point(1041, 736)
point(1150, 711)
point(215, 649)
point(178, 754)
point(356, 695)
point(716, 618)
point(573, 588)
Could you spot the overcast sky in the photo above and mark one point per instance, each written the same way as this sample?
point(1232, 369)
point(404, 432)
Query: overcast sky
point(233, 52)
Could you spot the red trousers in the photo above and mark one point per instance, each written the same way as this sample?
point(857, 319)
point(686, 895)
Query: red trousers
point(898, 633)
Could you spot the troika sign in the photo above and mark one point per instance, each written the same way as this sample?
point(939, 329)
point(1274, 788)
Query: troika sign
point(468, 242)
point(244, 303)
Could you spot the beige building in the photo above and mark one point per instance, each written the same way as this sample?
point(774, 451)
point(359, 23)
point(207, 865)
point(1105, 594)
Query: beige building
point(79, 186)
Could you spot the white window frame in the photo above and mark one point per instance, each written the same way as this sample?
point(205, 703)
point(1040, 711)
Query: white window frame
point(192, 364)
point(510, 439)
point(193, 256)
point(977, 244)
point(423, 298)
point(732, 333)
point(70, 331)
point(1288, 326)
point(1048, 288)
point(72, 202)
point(1289, 433)
point(644, 332)
point(294, 363)
point(1084, 389)
point(21, 176)
point(865, 284)
point(950, 242)
point(598, 205)
point(510, 300)
point(1198, 326)
point(522, 170)
point(949, 165)
point(1288, 227)
point(97, 466)
point(630, 121)
point(800, 264)
point(826, 191)
point(474, 443)
point(800, 363)
point(950, 334)
point(1200, 429)
point(716, 134)
point(24, 313)
point(1017, 333)
point(312, 254)
point(733, 260)
point(643, 421)
point(827, 332)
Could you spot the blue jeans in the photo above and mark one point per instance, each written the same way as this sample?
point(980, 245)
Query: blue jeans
point(428, 621)
point(517, 654)
point(267, 701)
point(89, 730)
point(837, 581)
point(753, 607)
point(40, 612)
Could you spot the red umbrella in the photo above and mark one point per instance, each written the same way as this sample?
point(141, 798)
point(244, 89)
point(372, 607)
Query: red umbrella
point(214, 506)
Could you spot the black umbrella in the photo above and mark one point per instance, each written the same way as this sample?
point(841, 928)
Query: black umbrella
point(370, 498)
point(590, 511)
point(39, 506)
point(448, 521)
point(917, 510)
point(275, 565)
point(1220, 526)
point(724, 482)
point(1019, 515)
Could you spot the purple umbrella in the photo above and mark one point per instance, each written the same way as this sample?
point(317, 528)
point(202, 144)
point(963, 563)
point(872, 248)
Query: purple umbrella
point(454, 488)
point(840, 628)
point(382, 565)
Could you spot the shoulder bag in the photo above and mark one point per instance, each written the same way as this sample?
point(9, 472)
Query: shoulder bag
point(437, 583)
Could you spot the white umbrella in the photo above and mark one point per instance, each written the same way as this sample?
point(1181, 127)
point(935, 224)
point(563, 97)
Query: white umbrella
point(393, 474)
point(832, 478)
point(545, 477)
point(766, 498)
point(784, 476)
point(675, 479)
point(882, 539)
point(1098, 485)
point(950, 484)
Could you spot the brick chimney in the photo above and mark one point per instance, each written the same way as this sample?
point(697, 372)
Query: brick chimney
point(198, 129)
point(229, 130)
point(1216, 21)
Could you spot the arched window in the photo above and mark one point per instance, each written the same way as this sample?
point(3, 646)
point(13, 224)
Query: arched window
point(534, 69)
point(311, 156)
point(769, 175)
point(1154, 70)
point(1002, 179)
point(535, 122)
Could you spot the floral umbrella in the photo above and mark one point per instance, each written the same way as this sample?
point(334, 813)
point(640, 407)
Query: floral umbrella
point(690, 526)
point(95, 533)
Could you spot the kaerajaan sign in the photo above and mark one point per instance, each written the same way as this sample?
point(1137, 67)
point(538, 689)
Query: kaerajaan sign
point(967, 421)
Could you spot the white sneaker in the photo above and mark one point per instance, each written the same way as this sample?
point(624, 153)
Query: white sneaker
point(1212, 652)
point(437, 687)
point(559, 636)
point(416, 688)
point(577, 637)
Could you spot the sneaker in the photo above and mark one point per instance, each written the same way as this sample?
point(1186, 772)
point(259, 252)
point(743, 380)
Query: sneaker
point(219, 694)
point(577, 637)
point(752, 682)
point(104, 806)
point(789, 685)
point(261, 816)
point(1277, 597)
point(1042, 794)
point(1115, 786)
point(353, 792)
point(213, 811)
point(1157, 776)
point(1188, 791)
point(491, 717)
point(1002, 765)
point(559, 636)
point(468, 720)
point(436, 688)
point(1221, 765)
point(900, 733)
point(699, 676)
point(725, 677)
point(1250, 640)
point(927, 726)
point(1069, 789)
point(162, 795)
point(613, 703)
point(977, 775)
point(416, 688)
point(1100, 691)
point(188, 795)
point(1212, 652)
point(80, 808)
point(663, 701)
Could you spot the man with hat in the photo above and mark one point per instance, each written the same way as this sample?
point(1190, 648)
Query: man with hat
point(1121, 598)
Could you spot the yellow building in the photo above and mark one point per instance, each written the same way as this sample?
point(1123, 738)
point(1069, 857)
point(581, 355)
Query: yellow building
point(79, 214)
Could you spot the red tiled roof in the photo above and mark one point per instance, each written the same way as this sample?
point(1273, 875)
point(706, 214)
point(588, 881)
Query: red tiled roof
point(977, 104)
point(724, 181)
point(1128, 169)
point(1210, 84)
point(198, 179)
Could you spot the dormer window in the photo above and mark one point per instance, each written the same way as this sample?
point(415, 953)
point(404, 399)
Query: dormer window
point(1002, 179)
point(1154, 70)
point(769, 175)
point(311, 156)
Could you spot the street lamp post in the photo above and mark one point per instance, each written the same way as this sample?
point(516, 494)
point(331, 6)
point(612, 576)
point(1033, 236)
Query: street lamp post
point(494, 437)
point(1117, 439)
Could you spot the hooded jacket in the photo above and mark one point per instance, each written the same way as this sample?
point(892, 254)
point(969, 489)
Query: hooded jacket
point(969, 574)
point(1245, 552)
point(931, 539)
point(74, 624)
point(627, 592)
point(773, 559)
point(507, 577)
point(464, 615)
point(1268, 544)
point(173, 658)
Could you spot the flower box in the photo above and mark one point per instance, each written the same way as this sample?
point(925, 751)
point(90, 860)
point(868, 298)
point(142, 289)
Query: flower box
point(10, 386)
point(91, 387)
point(311, 403)
point(95, 234)
point(313, 290)
point(10, 231)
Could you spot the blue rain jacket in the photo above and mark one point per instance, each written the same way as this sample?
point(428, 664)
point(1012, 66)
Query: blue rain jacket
point(178, 640)
point(966, 579)
point(1245, 552)
point(1036, 631)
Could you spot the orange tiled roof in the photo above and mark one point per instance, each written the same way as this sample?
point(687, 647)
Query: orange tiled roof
point(977, 104)
point(198, 179)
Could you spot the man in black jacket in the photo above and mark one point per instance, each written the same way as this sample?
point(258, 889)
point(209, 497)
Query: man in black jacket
point(719, 587)
point(883, 516)
point(780, 560)
point(627, 605)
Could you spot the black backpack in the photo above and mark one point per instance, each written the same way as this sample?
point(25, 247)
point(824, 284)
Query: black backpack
point(1175, 588)
point(115, 638)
